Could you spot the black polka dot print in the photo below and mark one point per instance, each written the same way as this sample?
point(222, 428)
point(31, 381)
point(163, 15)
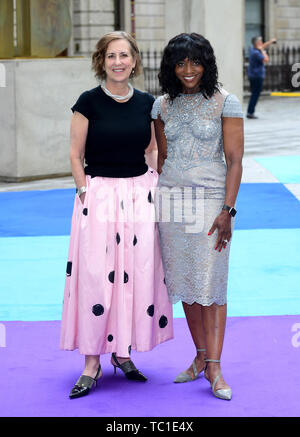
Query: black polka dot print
point(85, 211)
point(134, 240)
point(111, 277)
point(110, 338)
point(98, 309)
point(150, 197)
point(163, 321)
point(118, 239)
point(125, 278)
point(150, 310)
point(69, 268)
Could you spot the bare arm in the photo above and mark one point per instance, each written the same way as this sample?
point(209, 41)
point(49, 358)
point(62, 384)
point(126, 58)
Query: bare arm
point(268, 43)
point(262, 48)
point(161, 143)
point(78, 134)
point(233, 136)
point(151, 151)
point(266, 57)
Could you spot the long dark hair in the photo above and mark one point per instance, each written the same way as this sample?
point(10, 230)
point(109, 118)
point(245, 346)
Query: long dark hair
point(194, 47)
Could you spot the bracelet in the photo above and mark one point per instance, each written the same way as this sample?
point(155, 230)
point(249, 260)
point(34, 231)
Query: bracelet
point(81, 190)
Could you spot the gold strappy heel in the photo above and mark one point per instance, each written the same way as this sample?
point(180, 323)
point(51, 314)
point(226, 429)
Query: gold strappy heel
point(185, 377)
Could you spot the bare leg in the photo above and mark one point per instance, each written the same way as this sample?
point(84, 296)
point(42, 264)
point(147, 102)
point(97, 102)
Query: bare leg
point(91, 366)
point(121, 359)
point(214, 321)
point(193, 315)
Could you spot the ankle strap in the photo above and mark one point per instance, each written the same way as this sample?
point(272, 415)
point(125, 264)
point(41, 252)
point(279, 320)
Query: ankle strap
point(211, 361)
point(200, 350)
point(115, 358)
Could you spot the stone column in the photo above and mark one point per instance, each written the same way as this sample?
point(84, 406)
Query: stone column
point(227, 38)
point(6, 29)
point(270, 14)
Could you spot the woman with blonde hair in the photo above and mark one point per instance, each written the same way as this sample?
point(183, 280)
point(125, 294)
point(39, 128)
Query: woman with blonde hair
point(115, 296)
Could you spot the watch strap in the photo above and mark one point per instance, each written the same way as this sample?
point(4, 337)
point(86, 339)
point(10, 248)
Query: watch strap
point(232, 211)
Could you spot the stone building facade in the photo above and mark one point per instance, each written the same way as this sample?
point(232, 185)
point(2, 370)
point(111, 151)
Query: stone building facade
point(93, 18)
point(155, 21)
point(278, 19)
point(283, 21)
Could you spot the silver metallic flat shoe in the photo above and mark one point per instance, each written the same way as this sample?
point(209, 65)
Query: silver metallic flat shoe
point(185, 377)
point(221, 393)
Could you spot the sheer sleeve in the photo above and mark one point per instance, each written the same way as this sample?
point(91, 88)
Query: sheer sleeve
point(156, 108)
point(232, 107)
point(83, 105)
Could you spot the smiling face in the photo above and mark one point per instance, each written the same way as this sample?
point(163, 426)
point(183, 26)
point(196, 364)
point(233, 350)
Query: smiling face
point(189, 72)
point(119, 61)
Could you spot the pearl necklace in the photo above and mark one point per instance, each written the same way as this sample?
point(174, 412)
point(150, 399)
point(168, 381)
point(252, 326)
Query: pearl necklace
point(115, 96)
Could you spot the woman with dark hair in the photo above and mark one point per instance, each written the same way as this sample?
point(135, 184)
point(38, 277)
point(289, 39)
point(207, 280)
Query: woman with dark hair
point(195, 122)
point(115, 297)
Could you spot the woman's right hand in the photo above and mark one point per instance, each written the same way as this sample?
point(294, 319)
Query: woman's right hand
point(82, 197)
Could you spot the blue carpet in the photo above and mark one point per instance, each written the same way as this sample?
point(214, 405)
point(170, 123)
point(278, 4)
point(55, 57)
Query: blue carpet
point(267, 206)
point(285, 168)
point(264, 263)
point(32, 272)
point(264, 275)
point(30, 213)
point(37, 213)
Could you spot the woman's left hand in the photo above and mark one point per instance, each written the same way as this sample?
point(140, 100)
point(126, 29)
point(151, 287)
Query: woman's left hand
point(223, 224)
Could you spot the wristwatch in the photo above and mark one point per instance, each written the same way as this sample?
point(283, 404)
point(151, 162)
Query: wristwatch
point(81, 190)
point(230, 209)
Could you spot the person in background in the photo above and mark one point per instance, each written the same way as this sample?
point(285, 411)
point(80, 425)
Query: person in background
point(256, 70)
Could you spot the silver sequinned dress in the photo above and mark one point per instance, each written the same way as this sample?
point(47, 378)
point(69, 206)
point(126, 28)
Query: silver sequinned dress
point(192, 193)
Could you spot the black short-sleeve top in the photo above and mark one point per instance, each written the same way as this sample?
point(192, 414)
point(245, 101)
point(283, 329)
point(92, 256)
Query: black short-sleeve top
point(118, 133)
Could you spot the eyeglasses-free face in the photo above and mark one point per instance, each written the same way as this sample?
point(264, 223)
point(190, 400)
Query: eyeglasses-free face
point(189, 72)
point(119, 61)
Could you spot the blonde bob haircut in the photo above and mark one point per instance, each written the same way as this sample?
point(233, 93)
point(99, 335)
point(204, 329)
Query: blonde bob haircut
point(98, 57)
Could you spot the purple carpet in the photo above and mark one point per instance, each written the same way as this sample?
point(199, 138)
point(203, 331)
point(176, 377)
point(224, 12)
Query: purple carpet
point(260, 363)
